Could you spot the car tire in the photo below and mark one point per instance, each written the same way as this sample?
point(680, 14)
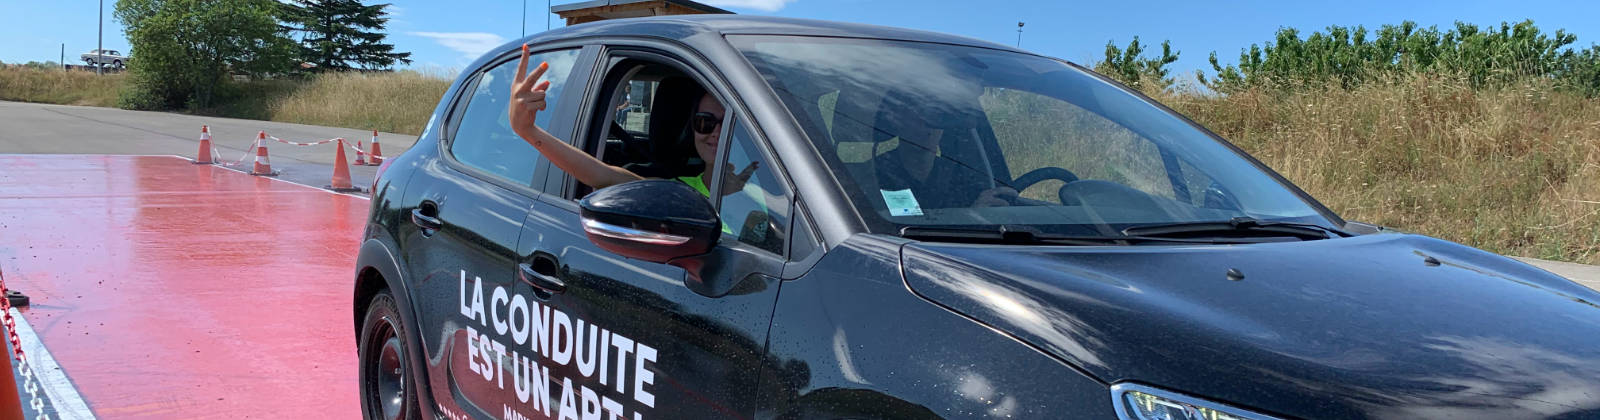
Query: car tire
point(386, 392)
point(116, 63)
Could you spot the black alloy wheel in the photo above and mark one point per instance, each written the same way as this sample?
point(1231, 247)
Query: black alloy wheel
point(385, 393)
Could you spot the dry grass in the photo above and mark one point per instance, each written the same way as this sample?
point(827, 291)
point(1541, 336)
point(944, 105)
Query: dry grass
point(1514, 170)
point(55, 86)
point(399, 102)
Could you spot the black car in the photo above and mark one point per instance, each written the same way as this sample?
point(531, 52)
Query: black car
point(937, 227)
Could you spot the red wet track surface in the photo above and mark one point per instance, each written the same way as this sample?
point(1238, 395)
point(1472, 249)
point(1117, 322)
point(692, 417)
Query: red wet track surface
point(166, 289)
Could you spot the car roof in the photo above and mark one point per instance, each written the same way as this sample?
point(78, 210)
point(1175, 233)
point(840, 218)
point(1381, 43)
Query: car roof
point(682, 26)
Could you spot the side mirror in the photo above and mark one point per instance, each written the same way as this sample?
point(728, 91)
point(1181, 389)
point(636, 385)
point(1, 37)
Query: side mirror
point(652, 220)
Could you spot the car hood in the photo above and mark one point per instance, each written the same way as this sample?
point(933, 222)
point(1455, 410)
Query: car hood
point(1377, 326)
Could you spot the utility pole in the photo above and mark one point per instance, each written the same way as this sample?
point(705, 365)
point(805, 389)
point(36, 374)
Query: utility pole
point(1019, 34)
point(524, 17)
point(63, 56)
point(99, 43)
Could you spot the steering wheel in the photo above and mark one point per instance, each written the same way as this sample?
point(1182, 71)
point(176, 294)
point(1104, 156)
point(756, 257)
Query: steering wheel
point(1035, 176)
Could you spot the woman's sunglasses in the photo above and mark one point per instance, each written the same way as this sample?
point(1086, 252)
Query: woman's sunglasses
point(705, 122)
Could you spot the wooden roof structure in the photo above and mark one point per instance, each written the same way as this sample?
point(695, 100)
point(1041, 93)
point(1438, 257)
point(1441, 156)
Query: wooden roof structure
point(596, 10)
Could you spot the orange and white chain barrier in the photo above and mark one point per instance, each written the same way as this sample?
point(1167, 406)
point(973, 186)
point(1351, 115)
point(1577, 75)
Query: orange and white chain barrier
point(292, 143)
point(340, 182)
point(371, 156)
point(10, 398)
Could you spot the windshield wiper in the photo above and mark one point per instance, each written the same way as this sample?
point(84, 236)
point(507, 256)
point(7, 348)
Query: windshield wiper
point(1010, 235)
point(1237, 227)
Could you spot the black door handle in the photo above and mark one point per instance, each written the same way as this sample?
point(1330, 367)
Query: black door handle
point(542, 274)
point(425, 221)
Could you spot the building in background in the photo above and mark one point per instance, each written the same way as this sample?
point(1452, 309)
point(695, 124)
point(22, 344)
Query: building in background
point(597, 10)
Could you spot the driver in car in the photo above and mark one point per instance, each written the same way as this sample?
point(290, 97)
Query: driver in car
point(917, 170)
point(528, 98)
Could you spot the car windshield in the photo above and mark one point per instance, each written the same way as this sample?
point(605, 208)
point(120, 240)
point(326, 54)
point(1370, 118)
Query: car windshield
point(944, 136)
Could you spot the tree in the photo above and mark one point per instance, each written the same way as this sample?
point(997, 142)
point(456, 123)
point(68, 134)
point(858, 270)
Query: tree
point(186, 49)
point(1129, 65)
point(1484, 56)
point(47, 65)
point(342, 34)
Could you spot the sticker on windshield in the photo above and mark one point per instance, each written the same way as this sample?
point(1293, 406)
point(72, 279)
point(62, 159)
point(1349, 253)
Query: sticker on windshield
point(901, 203)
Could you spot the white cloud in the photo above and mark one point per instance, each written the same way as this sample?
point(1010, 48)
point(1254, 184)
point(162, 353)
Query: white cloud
point(762, 5)
point(469, 44)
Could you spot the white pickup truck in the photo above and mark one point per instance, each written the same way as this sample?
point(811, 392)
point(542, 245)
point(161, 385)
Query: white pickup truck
point(104, 57)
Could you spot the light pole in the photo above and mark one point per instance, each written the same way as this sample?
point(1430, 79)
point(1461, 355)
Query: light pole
point(1019, 34)
point(524, 17)
point(100, 40)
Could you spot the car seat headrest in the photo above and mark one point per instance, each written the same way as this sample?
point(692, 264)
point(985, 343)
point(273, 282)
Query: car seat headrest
point(670, 140)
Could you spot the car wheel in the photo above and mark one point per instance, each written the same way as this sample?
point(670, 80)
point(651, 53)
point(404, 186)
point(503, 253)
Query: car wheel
point(385, 391)
point(116, 63)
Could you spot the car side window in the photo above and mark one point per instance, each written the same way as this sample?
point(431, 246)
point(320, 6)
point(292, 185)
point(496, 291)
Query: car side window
point(483, 138)
point(755, 206)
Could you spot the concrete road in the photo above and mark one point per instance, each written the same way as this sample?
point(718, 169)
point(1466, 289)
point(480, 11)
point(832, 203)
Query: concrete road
point(36, 128)
point(61, 129)
point(1587, 275)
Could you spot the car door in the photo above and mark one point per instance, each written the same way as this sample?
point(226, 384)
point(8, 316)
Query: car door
point(467, 206)
point(614, 337)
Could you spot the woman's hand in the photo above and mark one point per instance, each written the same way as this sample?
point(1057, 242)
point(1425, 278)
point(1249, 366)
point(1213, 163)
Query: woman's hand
point(996, 197)
point(744, 176)
point(527, 99)
point(735, 181)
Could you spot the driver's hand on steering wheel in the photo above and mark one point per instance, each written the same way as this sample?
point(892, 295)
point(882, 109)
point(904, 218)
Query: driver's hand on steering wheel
point(996, 197)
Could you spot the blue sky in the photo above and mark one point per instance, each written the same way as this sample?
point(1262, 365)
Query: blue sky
point(444, 35)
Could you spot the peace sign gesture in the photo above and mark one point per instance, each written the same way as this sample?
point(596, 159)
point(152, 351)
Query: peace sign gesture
point(528, 98)
point(734, 182)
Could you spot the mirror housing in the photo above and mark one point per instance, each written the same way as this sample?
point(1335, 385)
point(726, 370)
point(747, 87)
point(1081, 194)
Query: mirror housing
point(654, 220)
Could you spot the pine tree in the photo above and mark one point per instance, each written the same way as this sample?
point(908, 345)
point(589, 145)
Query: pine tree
point(338, 35)
point(1132, 68)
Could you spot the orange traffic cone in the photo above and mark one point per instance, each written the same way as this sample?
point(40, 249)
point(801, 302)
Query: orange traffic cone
point(204, 157)
point(377, 153)
point(361, 158)
point(263, 164)
point(341, 172)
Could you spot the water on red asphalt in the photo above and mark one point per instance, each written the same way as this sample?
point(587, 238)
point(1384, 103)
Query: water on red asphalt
point(166, 289)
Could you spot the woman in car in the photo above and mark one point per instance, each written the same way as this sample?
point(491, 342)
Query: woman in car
point(528, 98)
